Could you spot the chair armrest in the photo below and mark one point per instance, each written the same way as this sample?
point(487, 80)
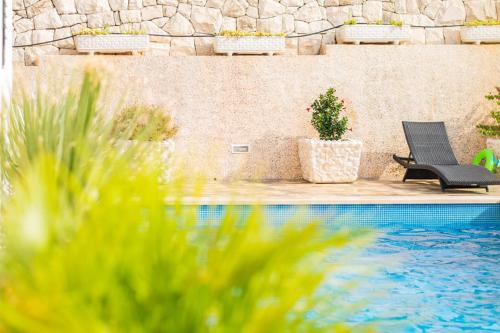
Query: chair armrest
point(404, 161)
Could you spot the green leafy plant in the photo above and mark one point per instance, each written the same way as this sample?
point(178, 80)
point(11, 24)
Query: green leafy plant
point(377, 22)
point(239, 33)
point(326, 116)
point(396, 23)
point(106, 31)
point(94, 32)
point(106, 253)
point(144, 122)
point(493, 129)
point(134, 32)
point(482, 22)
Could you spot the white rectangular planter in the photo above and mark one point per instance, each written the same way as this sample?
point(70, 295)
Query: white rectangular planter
point(373, 33)
point(112, 43)
point(249, 45)
point(330, 161)
point(481, 34)
point(155, 152)
point(494, 144)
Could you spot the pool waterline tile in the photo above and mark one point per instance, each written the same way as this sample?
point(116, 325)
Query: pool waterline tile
point(363, 215)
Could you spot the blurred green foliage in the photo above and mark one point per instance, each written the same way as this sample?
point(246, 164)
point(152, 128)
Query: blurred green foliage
point(90, 245)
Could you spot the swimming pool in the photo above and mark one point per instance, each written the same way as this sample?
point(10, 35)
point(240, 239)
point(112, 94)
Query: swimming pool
point(433, 267)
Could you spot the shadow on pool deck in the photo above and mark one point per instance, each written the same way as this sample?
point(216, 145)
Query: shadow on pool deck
point(361, 192)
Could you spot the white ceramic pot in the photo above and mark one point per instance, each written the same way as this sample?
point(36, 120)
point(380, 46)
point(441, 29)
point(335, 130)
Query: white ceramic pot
point(330, 161)
point(162, 151)
point(249, 44)
point(481, 34)
point(112, 43)
point(494, 144)
point(373, 33)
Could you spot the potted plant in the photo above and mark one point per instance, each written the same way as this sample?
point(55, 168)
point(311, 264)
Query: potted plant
point(377, 32)
point(478, 32)
point(241, 42)
point(492, 131)
point(331, 159)
point(93, 41)
point(150, 129)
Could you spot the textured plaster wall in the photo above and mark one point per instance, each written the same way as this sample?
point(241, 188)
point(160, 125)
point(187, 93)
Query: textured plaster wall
point(262, 101)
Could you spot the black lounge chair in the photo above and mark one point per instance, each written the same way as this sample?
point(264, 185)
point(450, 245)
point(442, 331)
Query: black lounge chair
point(431, 157)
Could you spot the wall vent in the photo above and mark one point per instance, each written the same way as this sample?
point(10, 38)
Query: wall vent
point(240, 148)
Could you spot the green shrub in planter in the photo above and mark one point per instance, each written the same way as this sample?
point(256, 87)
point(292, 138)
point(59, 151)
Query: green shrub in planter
point(492, 130)
point(326, 116)
point(144, 122)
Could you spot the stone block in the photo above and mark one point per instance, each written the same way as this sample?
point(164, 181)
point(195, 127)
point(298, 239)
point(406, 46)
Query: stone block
point(270, 8)
point(48, 20)
point(65, 6)
point(434, 36)
point(309, 13)
point(309, 45)
point(372, 10)
point(206, 20)
point(204, 46)
point(100, 20)
point(130, 16)
point(91, 6)
point(272, 25)
point(41, 36)
point(234, 8)
point(246, 23)
point(151, 12)
point(118, 4)
point(480, 10)
point(417, 36)
point(179, 25)
point(452, 36)
point(452, 12)
point(182, 47)
point(23, 25)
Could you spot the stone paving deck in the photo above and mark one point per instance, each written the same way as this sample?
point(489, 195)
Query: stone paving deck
point(361, 192)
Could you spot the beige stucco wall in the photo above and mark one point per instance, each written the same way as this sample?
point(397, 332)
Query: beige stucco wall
point(262, 101)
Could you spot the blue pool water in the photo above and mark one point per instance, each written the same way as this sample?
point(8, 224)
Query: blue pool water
point(439, 279)
point(432, 268)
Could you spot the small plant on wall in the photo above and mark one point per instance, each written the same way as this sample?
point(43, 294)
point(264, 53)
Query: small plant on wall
point(492, 130)
point(148, 130)
point(145, 123)
point(327, 118)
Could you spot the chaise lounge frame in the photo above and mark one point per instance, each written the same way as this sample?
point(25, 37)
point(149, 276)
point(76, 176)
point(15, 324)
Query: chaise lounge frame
point(431, 157)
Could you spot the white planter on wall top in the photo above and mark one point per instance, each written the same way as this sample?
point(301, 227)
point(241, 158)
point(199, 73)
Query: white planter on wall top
point(111, 43)
point(480, 34)
point(373, 33)
point(249, 44)
point(330, 161)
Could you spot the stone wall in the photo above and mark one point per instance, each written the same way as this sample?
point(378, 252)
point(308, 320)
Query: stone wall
point(262, 101)
point(45, 20)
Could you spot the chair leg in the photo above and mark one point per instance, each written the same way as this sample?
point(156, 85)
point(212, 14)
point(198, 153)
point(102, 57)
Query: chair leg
point(405, 176)
point(443, 185)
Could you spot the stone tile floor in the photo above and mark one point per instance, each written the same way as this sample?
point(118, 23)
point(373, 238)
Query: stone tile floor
point(362, 191)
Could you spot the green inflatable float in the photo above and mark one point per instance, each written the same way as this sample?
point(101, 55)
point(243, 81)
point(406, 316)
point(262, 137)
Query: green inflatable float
point(491, 163)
